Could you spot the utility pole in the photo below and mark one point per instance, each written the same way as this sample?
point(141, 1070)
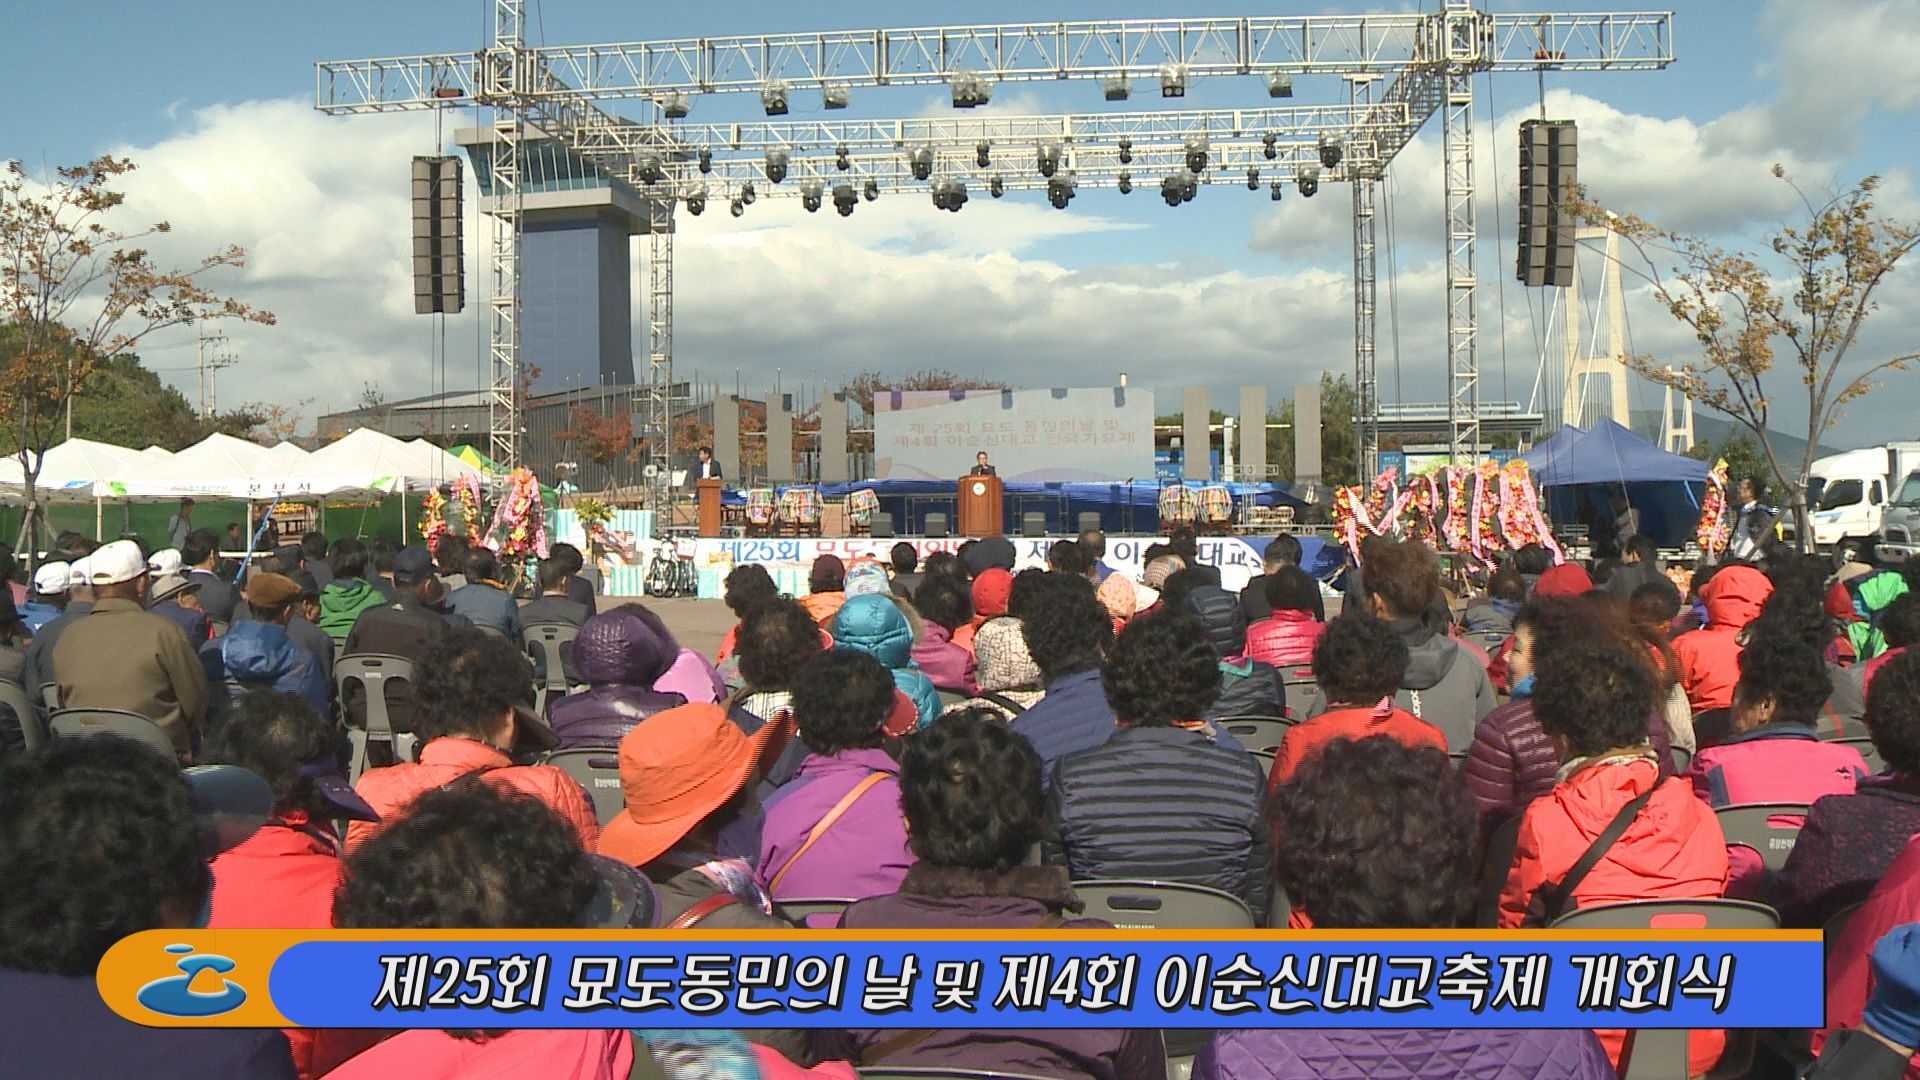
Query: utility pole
point(210, 366)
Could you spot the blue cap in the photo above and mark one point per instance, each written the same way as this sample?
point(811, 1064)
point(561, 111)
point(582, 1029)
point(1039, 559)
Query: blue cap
point(412, 565)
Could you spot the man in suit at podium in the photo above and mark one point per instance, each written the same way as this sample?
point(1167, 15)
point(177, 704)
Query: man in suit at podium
point(708, 468)
point(980, 466)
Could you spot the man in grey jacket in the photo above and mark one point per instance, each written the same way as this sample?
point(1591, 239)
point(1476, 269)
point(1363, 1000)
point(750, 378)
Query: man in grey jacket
point(1445, 685)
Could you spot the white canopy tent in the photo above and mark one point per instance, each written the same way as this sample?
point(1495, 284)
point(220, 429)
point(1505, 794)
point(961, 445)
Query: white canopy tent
point(287, 452)
point(366, 460)
point(219, 466)
point(77, 470)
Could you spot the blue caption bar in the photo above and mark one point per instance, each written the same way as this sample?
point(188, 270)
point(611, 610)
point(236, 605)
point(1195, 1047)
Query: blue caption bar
point(1087, 980)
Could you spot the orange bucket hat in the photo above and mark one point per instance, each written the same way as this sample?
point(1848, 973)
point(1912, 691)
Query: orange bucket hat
point(677, 767)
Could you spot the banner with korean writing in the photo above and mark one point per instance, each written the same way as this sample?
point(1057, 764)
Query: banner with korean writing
point(965, 979)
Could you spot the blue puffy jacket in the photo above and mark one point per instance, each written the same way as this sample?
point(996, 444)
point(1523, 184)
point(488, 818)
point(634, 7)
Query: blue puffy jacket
point(255, 653)
point(876, 626)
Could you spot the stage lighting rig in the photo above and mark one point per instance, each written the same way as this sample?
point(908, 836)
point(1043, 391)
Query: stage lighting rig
point(737, 208)
point(835, 95)
point(652, 170)
point(1267, 142)
point(1126, 182)
point(949, 195)
point(1060, 191)
point(997, 185)
point(845, 199)
point(1277, 189)
point(1279, 86)
point(776, 165)
point(1173, 81)
point(1117, 87)
point(675, 105)
point(747, 194)
point(871, 191)
point(970, 90)
point(983, 153)
point(697, 201)
point(1049, 159)
point(773, 98)
point(1332, 150)
point(1309, 180)
point(842, 157)
point(921, 161)
point(1197, 155)
point(810, 195)
point(706, 160)
point(1253, 179)
point(1126, 151)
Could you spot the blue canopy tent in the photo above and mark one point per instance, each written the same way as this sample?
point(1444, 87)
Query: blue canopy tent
point(1581, 472)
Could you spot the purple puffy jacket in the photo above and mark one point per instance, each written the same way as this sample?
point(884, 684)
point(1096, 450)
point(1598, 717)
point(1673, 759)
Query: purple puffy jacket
point(1382, 1054)
point(1512, 762)
point(620, 657)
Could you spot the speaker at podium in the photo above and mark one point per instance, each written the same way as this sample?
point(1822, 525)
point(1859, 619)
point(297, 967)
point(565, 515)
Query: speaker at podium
point(980, 505)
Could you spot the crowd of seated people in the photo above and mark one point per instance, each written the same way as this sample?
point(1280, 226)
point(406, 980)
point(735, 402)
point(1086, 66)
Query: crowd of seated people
point(951, 743)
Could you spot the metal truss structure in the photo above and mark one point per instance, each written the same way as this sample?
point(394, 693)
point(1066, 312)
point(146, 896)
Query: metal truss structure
point(1398, 69)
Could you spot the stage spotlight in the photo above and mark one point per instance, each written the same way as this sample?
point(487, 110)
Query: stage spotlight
point(1049, 159)
point(1253, 179)
point(675, 105)
point(835, 95)
point(871, 191)
point(1170, 190)
point(1117, 87)
point(1126, 151)
point(747, 194)
point(737, 208)
point(773, 98)
point(1276, 189)
point(776, 165)
point(845, 199)
point(706, 160)
point(1060, 191)
point(1309, 181)
point(1266, 146)
point(1197, 155)
point(842, 159)
point(810, 195)
point(983, 153)
point(697, 201)
point(997, 185)
point(1279, 86)
point(1189, 187)
point(949, 195)
point(1126, 182)
point(970, 90)
point(651, 169)
point(1332, 149)
point(921, 159)
point(1173, 81)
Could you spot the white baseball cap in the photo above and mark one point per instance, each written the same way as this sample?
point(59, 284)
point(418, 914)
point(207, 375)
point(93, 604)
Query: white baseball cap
point(52, 578)
point(115, 563)
point(77, 572)
point(165, 561)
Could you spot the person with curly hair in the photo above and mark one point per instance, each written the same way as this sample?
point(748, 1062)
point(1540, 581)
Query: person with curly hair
point(1593, 698)
point(826, 589)
point(971, 794)
point(474, 697)
point(1513, 761)
point(1286, 636)
point(523, 869)
point(1773, 755)
point(1900, 627)
point(1797, 611)
point(748, 588)
point(100, 838)
point(840, 704)
point(775, 639)
point(1849, 841)
point(945, 607)
point(1444, 684)
point(1068, 635)
point(1379, 835)
point(1359, 662)
point(1159, 679)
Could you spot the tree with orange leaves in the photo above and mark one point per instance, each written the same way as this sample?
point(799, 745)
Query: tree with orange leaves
point(75, 292)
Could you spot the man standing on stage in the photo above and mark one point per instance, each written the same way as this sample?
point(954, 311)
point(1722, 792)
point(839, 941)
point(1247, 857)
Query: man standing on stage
point(708, 468)
point(980, 466)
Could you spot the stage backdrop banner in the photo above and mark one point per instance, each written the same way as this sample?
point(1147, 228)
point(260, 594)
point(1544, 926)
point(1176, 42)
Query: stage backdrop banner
point(1238, 560)
point(1041, 436)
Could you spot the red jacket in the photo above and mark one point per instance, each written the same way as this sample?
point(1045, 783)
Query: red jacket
point(1778, 763)
point(1305, 738)
point(1285, 639)
point(1673, 851)
point(1710, 656)
point(445, 760)
point(1893, 902)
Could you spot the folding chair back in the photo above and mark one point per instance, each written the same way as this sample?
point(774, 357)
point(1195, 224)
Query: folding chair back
point(50, 696)
point(1263, 758)
point(1256, 732)
point(370, 672)
point(1769, 829)
point(597, 770)
point(547, 645)
point(14, 696)
point(80, 723)
point(1864, 743)
point(813, 912)
point(1164, 905)
point(1301, 698)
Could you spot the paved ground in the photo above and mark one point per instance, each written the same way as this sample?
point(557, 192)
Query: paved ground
point(698, 624)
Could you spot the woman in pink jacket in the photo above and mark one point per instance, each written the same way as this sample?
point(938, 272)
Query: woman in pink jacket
point(1286, 637)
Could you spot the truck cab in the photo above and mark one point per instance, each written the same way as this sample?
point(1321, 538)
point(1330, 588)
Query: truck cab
point(1900, 532)
point(1848, 495)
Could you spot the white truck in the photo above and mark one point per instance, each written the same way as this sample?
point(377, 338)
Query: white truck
point(1900, 532)
point(1849, 496)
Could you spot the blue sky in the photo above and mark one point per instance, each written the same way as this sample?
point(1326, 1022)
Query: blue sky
point(214, 98)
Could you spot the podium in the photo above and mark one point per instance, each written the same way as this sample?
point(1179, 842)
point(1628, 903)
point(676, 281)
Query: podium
point(980, 506)
point(707, 498)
